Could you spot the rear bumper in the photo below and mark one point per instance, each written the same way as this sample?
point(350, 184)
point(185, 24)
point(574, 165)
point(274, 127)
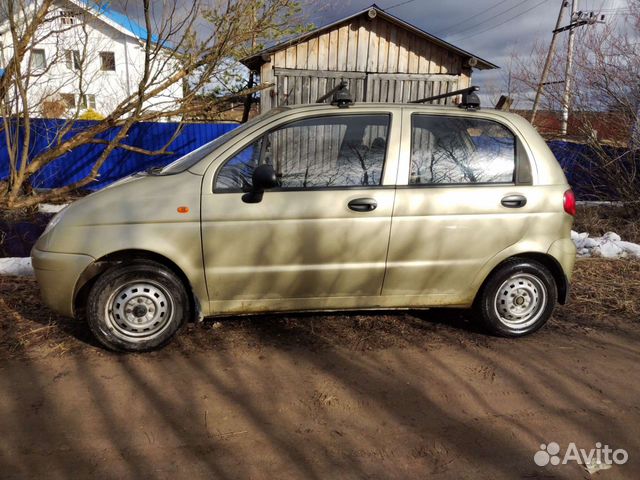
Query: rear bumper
point(564, 251)
point(57, 275)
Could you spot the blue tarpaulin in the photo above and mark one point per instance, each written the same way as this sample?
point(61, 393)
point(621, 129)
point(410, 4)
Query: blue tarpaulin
point(77, 164)
point(593, 177)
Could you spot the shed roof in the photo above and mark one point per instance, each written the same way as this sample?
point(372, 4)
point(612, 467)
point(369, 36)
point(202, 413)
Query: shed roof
point(255, 61)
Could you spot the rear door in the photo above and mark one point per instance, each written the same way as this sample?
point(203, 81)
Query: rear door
point(320, 239)
point(462, 198)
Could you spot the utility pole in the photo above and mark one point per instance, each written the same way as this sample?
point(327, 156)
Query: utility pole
point(566, 97)
point(578, 19)
point(547, 62)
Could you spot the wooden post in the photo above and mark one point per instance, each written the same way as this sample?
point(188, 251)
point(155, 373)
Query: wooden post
point(547, 63)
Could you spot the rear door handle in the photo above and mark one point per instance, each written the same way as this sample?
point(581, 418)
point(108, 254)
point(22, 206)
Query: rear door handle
point(514, 201)
point(363, 204)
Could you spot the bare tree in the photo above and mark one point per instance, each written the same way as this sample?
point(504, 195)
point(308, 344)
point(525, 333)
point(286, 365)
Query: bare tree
point(184, 48)
point(605, 101)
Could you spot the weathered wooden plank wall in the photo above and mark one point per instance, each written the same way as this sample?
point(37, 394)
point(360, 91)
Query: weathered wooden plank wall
point(380, 60)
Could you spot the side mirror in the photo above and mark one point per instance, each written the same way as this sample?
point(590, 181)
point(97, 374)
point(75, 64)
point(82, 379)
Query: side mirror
point(264, 177)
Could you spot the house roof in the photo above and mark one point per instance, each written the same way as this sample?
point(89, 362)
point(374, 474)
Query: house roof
point(117, 20)
point(255, 61)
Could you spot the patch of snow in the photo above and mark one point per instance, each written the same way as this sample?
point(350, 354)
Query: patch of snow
point(20, 266)
point(610, 245)
point(50, 207)
point(611, 237)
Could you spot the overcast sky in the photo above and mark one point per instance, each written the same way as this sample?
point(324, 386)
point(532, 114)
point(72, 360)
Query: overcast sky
point(491, 29)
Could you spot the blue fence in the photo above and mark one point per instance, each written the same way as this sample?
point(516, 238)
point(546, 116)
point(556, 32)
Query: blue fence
point(585, 175)
point(77, 164)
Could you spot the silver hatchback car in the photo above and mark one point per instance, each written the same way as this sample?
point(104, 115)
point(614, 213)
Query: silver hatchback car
point(318, 207)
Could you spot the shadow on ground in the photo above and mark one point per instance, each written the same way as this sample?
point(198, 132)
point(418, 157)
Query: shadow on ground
point(390, 395)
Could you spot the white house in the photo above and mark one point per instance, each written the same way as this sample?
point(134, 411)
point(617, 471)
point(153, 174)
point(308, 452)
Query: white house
point(87, 56)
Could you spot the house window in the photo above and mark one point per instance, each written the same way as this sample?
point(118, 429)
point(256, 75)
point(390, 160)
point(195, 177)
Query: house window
point(72, 59)
point(38, 59)
point(67, 17)
point(69, 99)
point(107, 61)
point(88, 101)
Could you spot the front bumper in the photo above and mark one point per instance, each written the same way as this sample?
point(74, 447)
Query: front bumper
point(58, 275)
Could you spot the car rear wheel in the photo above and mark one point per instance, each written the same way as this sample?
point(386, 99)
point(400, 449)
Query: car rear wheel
point(137, 307)
point(517, 299)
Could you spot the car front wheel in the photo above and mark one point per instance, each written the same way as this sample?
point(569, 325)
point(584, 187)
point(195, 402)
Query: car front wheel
point(517, 299)
point(137, 307)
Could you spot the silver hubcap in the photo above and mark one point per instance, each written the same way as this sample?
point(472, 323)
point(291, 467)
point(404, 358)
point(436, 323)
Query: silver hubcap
point(139, 311)
point(520, 301)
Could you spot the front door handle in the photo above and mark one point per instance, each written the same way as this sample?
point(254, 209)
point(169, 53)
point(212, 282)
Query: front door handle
point(363, 204)
point(514, 201)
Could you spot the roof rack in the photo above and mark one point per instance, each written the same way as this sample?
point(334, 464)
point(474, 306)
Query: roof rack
point(341, 96)
point(470, 100)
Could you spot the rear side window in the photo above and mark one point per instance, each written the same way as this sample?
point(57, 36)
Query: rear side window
point(329, 151)
point(457, 150)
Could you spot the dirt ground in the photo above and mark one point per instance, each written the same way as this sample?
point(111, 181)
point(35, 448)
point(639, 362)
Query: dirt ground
point(388, 395)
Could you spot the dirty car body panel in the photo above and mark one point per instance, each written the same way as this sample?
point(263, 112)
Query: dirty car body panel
point(359, 217)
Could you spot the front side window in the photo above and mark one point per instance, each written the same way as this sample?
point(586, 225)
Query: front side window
point(460, 150)
point(332, 151)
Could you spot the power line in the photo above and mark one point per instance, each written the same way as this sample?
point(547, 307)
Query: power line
point(472, 17)
point(398, 5)
point(473, 27)
point(503, 22)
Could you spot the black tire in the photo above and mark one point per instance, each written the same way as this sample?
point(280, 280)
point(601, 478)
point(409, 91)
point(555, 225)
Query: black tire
point(137, 307)
point(517, 298)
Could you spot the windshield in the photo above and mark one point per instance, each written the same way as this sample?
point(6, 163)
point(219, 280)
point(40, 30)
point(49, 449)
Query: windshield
point(190, 159)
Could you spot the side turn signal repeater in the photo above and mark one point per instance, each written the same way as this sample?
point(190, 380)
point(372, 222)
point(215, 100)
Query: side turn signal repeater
point(183, 209)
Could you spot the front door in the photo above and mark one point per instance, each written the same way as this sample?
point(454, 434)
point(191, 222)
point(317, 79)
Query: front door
point(320, 239)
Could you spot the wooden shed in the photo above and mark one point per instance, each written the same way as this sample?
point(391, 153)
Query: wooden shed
point(383, 59)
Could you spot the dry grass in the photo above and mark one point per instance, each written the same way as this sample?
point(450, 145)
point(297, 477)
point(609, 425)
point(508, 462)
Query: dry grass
point(605, 296)
point(607, 288)
point(600, 219)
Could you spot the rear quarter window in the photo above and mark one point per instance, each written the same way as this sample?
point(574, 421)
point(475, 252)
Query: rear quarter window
point(458, 150)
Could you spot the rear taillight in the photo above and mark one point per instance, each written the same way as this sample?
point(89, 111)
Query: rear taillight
point(569, 203)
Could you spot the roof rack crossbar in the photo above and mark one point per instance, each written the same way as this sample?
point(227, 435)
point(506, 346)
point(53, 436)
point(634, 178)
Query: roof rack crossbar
point(447, 95)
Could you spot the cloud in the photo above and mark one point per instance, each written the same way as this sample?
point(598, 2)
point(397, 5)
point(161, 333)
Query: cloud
point(492, 29)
